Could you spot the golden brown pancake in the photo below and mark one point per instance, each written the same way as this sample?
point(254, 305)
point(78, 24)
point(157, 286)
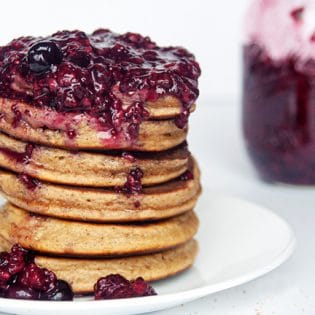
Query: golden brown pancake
point(95, 169)
point(48, 127)
point(165, 108)
point(103, 205)
point(71, 238)
point(82, 274)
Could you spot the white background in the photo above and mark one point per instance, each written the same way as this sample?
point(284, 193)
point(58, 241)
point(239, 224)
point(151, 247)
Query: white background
point(213, 31)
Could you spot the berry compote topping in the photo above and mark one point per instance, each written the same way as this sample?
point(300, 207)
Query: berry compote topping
point(21, 278)
point(133, 184)
point(105, 75)
point(29, 182)
point(118, 287)
point(19, 157)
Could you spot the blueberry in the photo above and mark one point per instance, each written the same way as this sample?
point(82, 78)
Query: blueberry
point(42, 56)
point(62, 291)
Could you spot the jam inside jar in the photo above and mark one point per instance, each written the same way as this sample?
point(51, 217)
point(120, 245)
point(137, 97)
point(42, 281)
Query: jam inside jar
point(279, 89)
point(279, 117)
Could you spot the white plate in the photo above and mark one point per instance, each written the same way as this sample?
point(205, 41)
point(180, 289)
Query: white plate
point(239, 241)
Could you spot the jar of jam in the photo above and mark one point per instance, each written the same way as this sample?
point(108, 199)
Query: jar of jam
point(279, 89)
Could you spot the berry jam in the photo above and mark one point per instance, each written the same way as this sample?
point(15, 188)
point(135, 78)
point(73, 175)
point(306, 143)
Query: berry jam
point(297, 14)
point(118, 287)
point(19, 157)
point(133, 184)
point(17, 116)
point(188, 175)
point(21, 278)
point(105, 75)
point(29, 182)
point(279, 117)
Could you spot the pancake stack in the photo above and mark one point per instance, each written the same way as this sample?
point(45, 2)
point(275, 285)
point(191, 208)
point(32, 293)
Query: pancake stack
point(93, 155)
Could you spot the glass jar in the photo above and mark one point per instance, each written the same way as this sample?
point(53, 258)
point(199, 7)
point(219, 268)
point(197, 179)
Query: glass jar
point(279, 90)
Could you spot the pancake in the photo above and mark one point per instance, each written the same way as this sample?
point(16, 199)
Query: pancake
point(82, 274)
point(103, 205)
point(71, 238)
point(95, 169)
point(48, 127)
point(165, 108)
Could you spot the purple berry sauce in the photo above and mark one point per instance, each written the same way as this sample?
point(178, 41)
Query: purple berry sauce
point(128, 156)
point(19, 157)
point(133, 184)
point(104, 75)
point(118, 287)
point(29, 182)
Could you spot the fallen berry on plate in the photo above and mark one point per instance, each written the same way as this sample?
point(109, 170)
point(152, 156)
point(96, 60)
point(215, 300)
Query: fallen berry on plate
point(118, 287)
point(21, 278)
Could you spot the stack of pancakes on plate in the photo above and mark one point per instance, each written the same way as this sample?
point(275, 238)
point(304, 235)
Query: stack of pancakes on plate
point(98, 181)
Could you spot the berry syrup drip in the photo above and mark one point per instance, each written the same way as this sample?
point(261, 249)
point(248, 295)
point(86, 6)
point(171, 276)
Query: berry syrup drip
point(118, 287)
point(21, 278)
point(29, 182)
point(71, 134)
point(19, 157)
point(188, 175)
point(106, 75)
point(278, 116)
point(17, 116)
point(133, 184)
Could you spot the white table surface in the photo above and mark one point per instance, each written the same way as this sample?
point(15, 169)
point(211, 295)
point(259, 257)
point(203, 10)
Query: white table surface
point(216, 141)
